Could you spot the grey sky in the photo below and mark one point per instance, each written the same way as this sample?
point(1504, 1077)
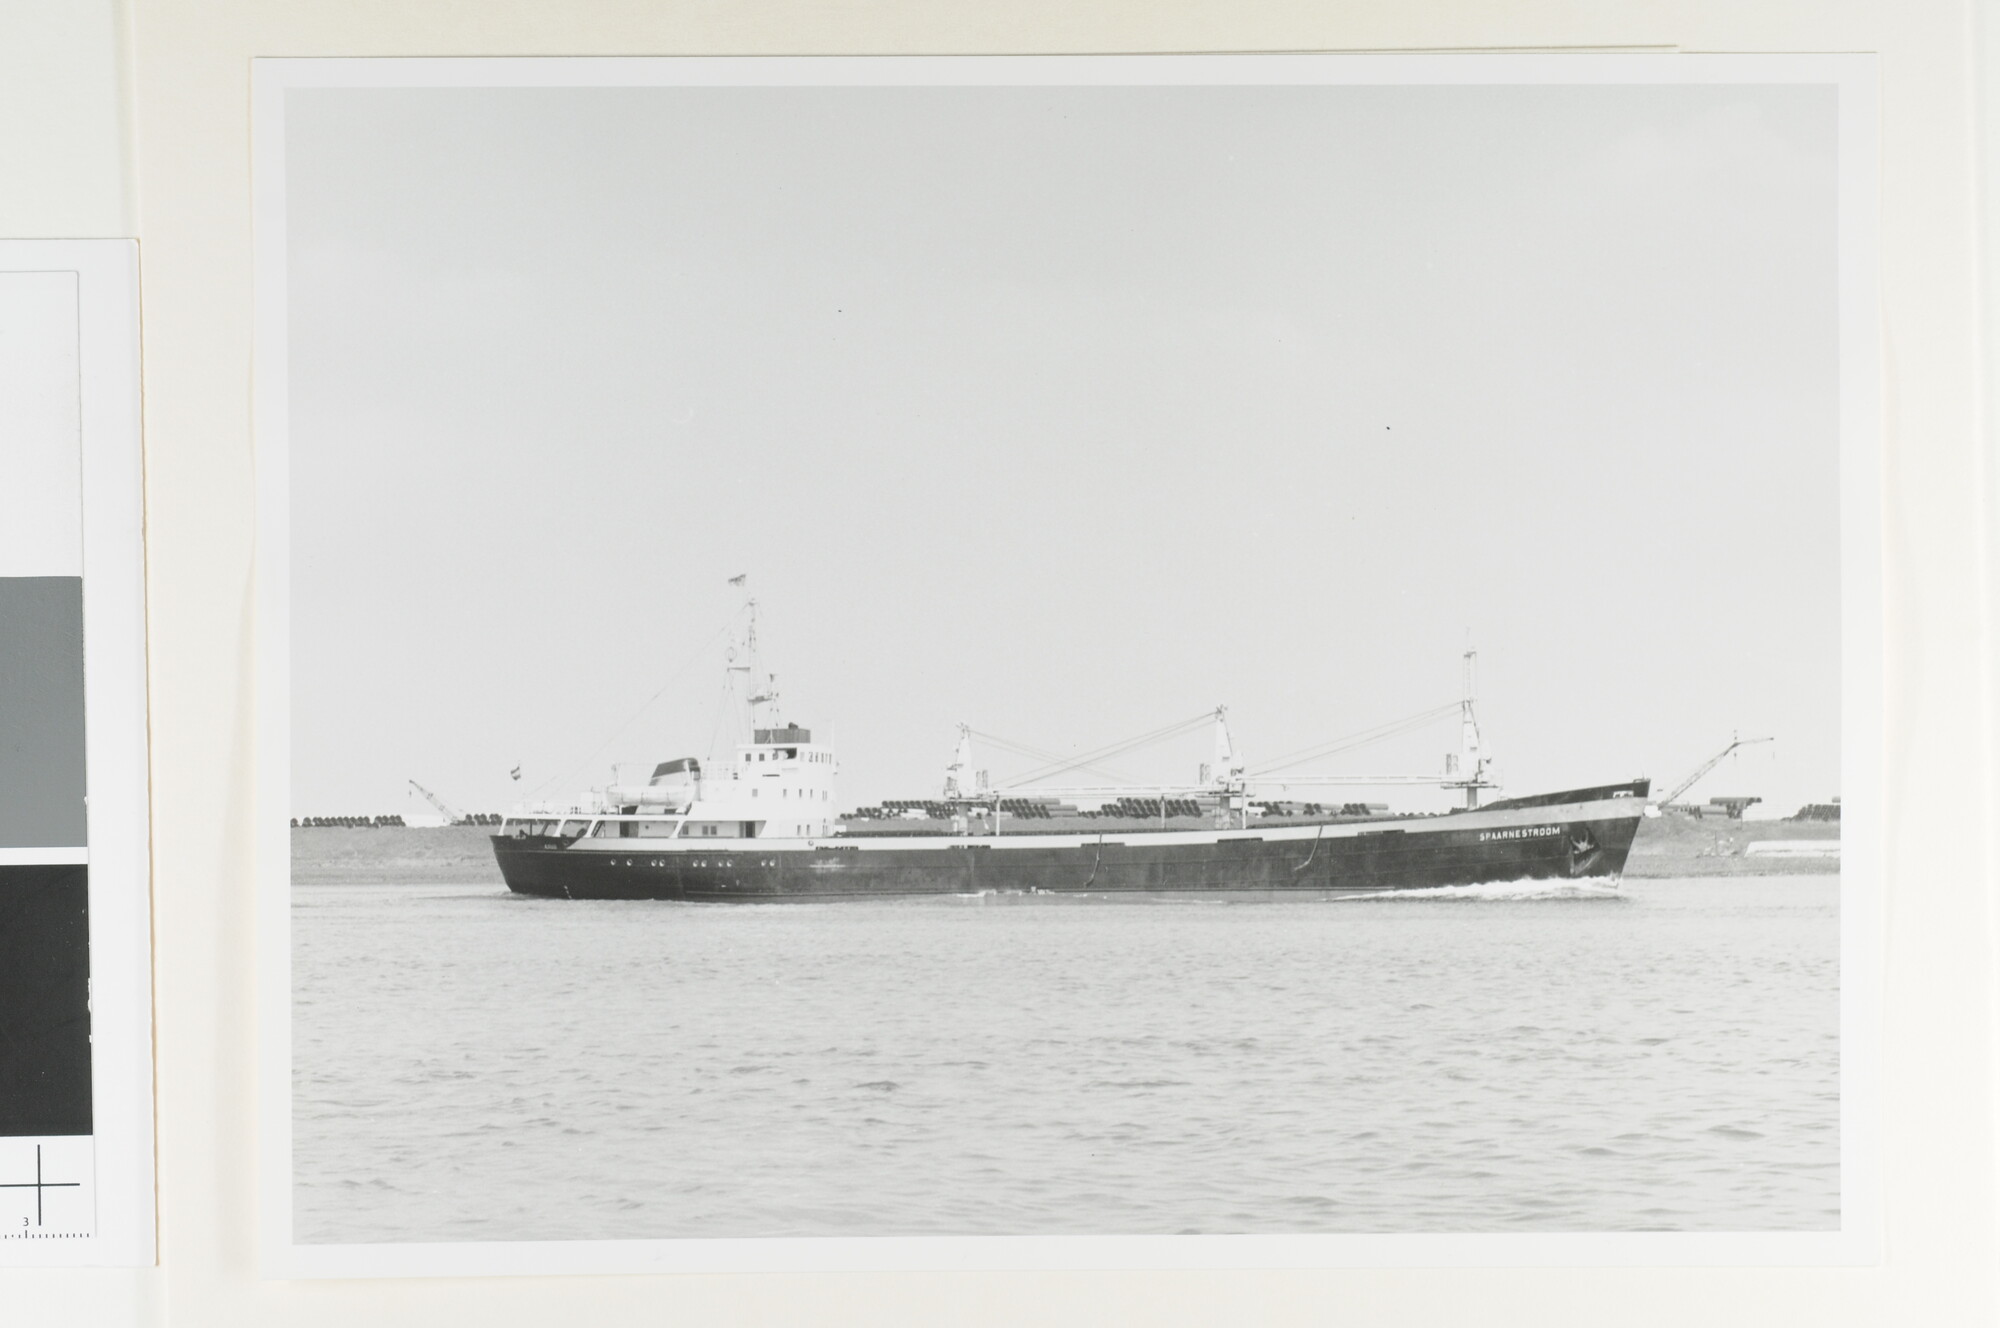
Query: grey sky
point(1066, 412)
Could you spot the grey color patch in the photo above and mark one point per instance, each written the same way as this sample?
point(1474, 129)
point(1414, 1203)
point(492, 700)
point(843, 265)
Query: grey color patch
point(41, 712)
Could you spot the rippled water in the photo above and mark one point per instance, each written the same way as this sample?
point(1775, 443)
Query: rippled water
point(471, 1065)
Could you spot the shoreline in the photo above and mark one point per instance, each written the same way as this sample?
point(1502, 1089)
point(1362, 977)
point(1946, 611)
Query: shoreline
point(1667, 847)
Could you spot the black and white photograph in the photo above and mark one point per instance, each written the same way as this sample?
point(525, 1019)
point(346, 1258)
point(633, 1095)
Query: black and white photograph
point(1065, 648)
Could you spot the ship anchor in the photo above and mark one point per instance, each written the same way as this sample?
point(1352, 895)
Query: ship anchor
point(1582, 852)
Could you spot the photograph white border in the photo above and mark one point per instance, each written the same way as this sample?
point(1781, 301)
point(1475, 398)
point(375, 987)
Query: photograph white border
point(1858, 1241)
point(118, 826)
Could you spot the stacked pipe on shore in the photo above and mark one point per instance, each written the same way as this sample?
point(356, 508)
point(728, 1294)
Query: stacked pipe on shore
point(390, 821)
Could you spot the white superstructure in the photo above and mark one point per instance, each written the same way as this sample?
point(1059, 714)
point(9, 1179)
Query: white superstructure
point(777, 785)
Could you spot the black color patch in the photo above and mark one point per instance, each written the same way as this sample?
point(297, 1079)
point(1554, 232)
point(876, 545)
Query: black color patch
point(44, 1001)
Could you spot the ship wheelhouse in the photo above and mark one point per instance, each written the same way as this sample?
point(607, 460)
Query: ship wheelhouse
point(779, 785)
point(781, 782)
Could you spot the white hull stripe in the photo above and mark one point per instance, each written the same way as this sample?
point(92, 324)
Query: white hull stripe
point(1505, 824)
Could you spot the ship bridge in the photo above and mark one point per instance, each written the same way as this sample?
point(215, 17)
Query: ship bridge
point(778, 785)
point(781, 778)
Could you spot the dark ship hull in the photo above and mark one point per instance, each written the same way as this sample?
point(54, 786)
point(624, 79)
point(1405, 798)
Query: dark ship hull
point(1579, 834)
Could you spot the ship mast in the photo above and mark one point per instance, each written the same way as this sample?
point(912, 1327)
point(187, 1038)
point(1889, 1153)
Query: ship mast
point(763, 686)
point(1226, 774)
point(965, 787)
point(744, 670)
point(1470, 762)
point(960, 779)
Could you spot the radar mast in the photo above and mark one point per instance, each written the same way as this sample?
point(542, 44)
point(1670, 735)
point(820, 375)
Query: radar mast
point(746, 687)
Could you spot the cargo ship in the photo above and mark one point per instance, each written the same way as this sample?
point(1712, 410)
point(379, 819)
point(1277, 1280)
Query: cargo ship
point(761, 826)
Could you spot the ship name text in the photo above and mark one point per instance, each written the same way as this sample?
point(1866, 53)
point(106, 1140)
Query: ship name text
point(1523, 832)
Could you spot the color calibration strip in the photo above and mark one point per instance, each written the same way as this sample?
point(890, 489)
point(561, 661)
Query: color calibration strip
point(47, 1189)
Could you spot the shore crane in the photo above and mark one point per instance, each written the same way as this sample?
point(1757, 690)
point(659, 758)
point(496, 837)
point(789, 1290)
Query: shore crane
point(1708, 765)
point(451, 814)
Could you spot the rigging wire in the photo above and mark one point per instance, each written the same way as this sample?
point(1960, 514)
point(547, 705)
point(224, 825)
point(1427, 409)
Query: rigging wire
point(1086, 759)
point(632, 718)
point(1380, 733)
point(1022, 749)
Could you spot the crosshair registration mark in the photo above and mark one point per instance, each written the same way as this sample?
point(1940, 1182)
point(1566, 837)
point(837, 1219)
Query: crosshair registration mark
point(38, 1185)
